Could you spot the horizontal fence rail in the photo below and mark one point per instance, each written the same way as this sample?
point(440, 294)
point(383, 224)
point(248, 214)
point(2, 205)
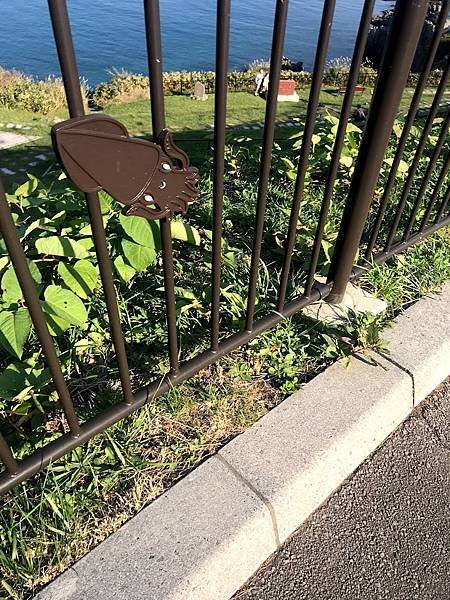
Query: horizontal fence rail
point(405, 215)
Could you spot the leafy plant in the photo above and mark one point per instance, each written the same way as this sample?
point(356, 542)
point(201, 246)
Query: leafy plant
point(40, 96)
point(53, 226)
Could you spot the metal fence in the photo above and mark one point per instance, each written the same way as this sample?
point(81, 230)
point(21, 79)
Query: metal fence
point(382, 241)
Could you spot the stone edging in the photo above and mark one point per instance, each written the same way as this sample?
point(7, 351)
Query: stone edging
point(207, 535)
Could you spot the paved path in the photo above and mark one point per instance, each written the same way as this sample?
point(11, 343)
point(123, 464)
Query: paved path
point(385, 534)
point(9, 140)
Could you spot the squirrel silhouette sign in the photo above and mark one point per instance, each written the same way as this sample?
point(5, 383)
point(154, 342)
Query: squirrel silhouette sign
point(152, 180)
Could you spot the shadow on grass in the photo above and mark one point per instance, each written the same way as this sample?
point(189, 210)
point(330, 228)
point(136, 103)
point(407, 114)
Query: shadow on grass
point(37, 157)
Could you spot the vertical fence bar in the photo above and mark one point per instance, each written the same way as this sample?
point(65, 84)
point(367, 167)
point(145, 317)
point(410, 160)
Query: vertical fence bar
point(220, 110)
point(169, 290)
point(407, 22)
point(310, 119)
point(358, 56)
point(435, 193)
point(154, 55)
point(69, 70)
point(443, 206)
point(426, 178)
point(411, 117)
point(417, 156)
point(7, 458)
point(276, 56)
point(28, 287)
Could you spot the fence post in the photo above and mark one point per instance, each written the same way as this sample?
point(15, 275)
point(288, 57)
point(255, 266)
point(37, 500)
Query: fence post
point(405, 30)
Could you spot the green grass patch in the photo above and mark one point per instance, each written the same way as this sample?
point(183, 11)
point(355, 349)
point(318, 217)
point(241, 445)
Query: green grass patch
point(52, 520)
point(189, 120)
point(59, 515)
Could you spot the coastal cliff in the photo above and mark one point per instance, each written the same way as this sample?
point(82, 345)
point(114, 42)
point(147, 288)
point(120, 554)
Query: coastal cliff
point(379, 30)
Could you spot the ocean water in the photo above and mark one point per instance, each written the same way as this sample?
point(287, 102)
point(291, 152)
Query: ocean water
point(110, 34)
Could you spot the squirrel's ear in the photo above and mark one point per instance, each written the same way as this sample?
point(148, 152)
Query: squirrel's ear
point(173, 152)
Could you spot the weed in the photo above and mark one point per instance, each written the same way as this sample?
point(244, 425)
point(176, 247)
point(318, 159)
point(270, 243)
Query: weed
point(49, 522)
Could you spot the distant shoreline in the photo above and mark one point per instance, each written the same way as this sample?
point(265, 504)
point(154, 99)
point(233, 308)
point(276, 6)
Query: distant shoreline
point(188, 35)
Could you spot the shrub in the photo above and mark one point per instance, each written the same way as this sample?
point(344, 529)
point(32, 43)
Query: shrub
point(122, 86)
point(23, 91)
point(7, 77)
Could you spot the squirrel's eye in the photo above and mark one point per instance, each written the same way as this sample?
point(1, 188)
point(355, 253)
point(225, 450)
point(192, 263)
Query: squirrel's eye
point(148, 198)
point(165, 166)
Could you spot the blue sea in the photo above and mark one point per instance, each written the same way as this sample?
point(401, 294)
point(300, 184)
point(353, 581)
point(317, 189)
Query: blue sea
point(109, 34)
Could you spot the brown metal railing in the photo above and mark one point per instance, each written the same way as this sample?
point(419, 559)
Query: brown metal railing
point(403, 38)
point(266, 153)
point(311, 114)
point(69, 71)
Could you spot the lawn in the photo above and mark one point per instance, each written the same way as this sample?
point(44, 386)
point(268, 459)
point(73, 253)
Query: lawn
point(190, 120)
point(56, 517)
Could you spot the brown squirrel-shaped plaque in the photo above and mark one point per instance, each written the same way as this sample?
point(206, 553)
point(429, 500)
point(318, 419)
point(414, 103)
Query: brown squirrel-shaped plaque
point(152, 180)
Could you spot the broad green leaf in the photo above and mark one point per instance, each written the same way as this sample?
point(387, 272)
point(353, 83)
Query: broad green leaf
point(82, 278)
point(398, 129)
point(186, 233)
point(86, 230)
point(331, 119)
point(347, 161)
point(14, 330)
point(315, 139)
point(186, 299)
point(106, 202)
point(27, 188)
point(22, 406)
point(87, 243)
point(184, 293)
point(43, 223)
point(4, 260)
point(288, 162)
point(125, 271)
point(154, 226)
point(10, 284)
point(139, 257)
point(326, 245)
point(402, 166)
point(351, 127)
point(17, 376)
point(46, 224)
point(138, 229)
point(56, 325)
point(12, 380)
point(64, 304)
point(61, 246)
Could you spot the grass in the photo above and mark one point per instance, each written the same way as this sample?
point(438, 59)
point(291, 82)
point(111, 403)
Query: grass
point(188, 119)
point(407, 277)
point(58, 515)
point(54, 519)
point(185, 115)
point(77, 503)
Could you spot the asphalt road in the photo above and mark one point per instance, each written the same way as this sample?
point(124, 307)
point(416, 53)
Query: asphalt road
point(385, 534)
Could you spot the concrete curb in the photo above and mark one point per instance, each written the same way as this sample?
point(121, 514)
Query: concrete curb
point(208, 534)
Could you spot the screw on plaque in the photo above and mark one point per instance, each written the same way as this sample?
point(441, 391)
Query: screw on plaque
point(152, 180)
